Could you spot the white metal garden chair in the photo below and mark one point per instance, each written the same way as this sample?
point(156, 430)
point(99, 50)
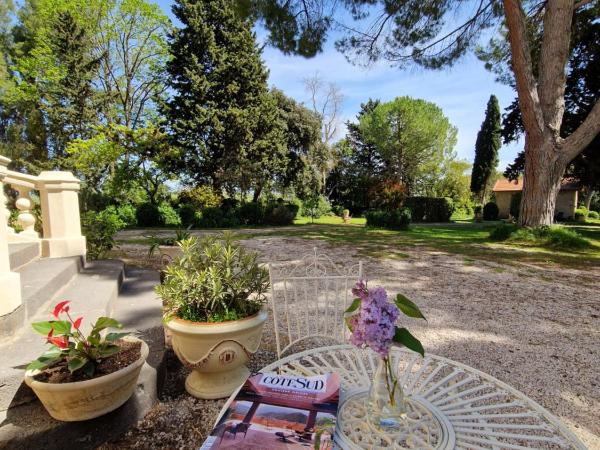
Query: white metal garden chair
point(308, 299)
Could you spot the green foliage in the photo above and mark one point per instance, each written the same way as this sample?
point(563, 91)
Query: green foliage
point(81, 353)
point(515, 204)
point(221, 118)
point(398, 219)
point(147, 215)
point(412, 136)
point(554, 236)
point(581, 213)
point(280, 213)
point(168, 215)
point(157, 241)
point(127, 215)
point(430, 209)
point(593, 215)
point(189, 214)
point(252, 213)
point(486, 149)
point(490, 211)
point(215, 280)
point(200, 197)
point(315, 206)
point(99, 229)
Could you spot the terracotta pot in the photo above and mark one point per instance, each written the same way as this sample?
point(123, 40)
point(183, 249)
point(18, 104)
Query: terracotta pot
point(216, 353)
point(83, 400)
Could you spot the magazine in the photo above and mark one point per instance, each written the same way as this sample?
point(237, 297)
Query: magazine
point(273, 411)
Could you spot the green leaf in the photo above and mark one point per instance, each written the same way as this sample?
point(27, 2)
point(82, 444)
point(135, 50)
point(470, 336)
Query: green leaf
point(108, 350)
point(347, 321)
point(408, 307)
point(60, 327)
point(105, 322)
point(110, 337)
point(53, 355)
point(403, 336)
point(354, 306)
point(89, 368)
point(77, 363)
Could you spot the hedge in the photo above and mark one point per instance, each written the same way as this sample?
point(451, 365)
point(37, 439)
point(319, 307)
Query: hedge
point(490, 211)
point(398, 219)
point(430, 209)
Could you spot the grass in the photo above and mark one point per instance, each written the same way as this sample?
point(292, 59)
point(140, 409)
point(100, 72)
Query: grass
point(465, 237)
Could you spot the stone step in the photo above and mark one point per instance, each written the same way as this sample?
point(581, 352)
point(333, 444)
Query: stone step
point(23, 253)
point(40, 281)
point(27, 425)
point(92, 291)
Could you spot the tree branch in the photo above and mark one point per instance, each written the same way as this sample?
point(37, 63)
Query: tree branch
point(581, 3)
point(529, 100)
point(584, 134)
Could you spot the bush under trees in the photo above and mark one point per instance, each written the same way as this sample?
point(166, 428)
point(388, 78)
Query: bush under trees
point(430, 209)
point(398, 219)
point(554, 236)
point(490, 211)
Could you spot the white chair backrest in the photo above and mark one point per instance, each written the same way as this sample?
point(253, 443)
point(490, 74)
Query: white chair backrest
point(309, 297)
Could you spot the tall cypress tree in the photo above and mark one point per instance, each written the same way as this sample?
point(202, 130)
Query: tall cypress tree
point(486, 149)
point(220, 93)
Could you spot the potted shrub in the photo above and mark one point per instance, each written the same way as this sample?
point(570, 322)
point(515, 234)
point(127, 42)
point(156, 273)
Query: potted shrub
point(81, 377)
point(213, 297)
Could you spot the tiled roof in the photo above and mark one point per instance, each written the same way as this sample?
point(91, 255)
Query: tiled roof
point(505, 185)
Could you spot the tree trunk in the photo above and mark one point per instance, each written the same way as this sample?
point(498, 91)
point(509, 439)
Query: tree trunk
point(257, 192)
point(588, 198)
point(544, 169)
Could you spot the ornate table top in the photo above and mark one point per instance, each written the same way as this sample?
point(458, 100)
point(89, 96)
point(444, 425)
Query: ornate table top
point(451, 405)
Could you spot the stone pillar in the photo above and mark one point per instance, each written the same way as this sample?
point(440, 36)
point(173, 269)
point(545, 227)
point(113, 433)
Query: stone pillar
point(10, 282)
point(60, 215)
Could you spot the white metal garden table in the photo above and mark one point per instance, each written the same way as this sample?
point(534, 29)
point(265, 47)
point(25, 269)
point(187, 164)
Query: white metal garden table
point(450, 404)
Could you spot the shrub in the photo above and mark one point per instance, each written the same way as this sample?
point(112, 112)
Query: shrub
point(387, 196)
point(398, 219)
point(211, 218)
point(281, 213)
point(215, 280)
point(502, 232)
point(200, 197)
point(229, 204)
point(546, 236)
point(127, 214)
point(99, 229)
point(515, 204)
point(338, 210)
point(490, 211)
point(593, 215)
point(188, 214)
point(315, 206)
point(430, 209)
point(168, 215)
point(581, 213)
point(251, 214)
point(147, 215)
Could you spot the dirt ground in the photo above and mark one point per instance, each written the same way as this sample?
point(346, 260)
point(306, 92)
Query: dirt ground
point(537, 329)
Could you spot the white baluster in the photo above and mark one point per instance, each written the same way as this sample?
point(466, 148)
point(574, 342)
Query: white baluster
point(25, 219)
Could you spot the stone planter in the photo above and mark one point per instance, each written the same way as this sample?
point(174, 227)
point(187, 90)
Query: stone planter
point(168, 253)
point(216, 353)
point(83, 400)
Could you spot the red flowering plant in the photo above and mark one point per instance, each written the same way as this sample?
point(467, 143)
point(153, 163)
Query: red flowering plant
point(68, 343)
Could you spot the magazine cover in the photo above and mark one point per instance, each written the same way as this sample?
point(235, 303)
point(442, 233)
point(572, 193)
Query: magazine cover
point(274, 411)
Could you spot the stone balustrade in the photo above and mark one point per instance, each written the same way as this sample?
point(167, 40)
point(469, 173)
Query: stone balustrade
point(61, 227)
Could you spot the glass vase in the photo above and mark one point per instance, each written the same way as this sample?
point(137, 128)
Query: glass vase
point(386, 406)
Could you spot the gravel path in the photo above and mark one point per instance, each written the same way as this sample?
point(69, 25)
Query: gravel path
point(536, 329)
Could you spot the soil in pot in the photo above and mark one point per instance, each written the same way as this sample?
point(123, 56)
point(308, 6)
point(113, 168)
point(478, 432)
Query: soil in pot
point(59, 373)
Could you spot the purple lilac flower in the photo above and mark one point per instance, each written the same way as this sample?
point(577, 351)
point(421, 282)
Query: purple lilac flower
point(374, 325)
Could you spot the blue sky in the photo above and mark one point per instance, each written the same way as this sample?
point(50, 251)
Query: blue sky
point(462, 92)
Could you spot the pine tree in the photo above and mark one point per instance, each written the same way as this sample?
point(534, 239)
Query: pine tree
point(486, 149)
point(70, 101)
point(220, 95)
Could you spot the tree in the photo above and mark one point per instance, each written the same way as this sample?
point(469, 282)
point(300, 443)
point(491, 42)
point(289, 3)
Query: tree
point(326, 101)
point(486, 150)
point(581, 92)
point(412, 137)
point(219, 87)
point(415, 31)
point(132, 41)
